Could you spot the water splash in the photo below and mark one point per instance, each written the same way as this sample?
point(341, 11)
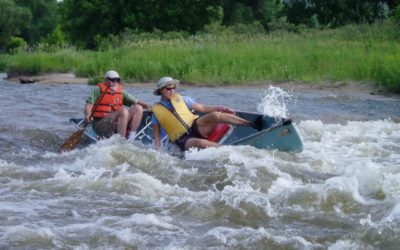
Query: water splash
point(274, 102)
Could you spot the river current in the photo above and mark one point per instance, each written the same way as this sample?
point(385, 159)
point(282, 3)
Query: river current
point(341, 192)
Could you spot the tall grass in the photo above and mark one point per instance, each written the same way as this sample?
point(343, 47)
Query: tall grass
point(369, 53)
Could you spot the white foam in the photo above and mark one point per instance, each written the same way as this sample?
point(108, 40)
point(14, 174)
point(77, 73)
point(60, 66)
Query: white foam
point(241, 192)
point(367, 221)
point(283, 185)
point(350, 245)
point(311, 130)
point(391, 185)
point(164, 222)
point(245, 236)
point(274, 102)
point(351, 169)
point(394, 214)
point(346, 185)
point(127, 236)
point(3, 163)
point(22, 234)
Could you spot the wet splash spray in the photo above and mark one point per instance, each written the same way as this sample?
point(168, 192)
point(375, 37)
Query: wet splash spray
point(274, 102)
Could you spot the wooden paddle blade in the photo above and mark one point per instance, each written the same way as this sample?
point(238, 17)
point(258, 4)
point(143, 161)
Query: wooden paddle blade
point(71, 142)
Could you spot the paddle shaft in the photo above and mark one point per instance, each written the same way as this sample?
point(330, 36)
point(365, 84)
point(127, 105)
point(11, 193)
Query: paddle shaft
point(74, 139)
point(95, 106)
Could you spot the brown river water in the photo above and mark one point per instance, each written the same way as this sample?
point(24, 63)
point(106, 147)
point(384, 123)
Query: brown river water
point(341, 192)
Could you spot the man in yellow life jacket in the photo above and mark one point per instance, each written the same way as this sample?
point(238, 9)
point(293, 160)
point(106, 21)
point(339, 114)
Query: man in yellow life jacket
point(186, 130)
point(106, 102)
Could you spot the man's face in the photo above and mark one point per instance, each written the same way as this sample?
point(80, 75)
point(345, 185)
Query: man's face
point(113, 83)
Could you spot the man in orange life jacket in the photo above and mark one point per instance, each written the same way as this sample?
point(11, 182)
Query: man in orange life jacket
point(110, 116)
point(183, 128)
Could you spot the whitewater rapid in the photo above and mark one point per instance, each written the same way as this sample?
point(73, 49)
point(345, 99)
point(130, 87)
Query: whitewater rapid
point(341, 192)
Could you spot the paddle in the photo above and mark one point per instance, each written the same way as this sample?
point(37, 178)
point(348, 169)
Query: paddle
point(74, 139)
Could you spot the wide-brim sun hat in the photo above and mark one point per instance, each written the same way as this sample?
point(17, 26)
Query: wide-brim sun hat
point(111, 74)
point(164, 82)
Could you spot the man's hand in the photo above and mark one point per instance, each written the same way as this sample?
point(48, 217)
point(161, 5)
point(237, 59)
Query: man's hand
point(87, 111)
point(226, 110)
point(144, 105)
point(87, 119)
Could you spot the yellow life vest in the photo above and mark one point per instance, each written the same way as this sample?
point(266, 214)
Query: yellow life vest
point(176, 122)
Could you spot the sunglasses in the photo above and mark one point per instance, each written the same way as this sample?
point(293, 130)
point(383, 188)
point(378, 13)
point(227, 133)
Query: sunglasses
point(170, 88)
point(114, 79)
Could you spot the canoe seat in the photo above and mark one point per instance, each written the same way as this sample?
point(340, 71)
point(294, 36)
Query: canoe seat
point(220, 132)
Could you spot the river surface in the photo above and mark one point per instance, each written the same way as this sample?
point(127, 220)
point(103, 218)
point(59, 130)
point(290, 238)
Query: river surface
point(341, 192)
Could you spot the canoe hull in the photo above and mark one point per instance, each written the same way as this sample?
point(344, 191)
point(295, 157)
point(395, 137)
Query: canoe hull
point(276, 134)
point(282, 138)
point(279, 134)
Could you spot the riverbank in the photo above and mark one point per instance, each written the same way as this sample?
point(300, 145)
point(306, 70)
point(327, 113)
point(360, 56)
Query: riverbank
point(333, 87)
point(56, 78)
point(366, 53)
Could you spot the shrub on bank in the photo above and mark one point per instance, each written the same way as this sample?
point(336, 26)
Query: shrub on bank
point(15, 44)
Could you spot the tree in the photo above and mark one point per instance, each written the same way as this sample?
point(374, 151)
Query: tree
point(178, 15)
point(397, 13)
point(84, 20)
point(250, 11)
point(12, 20)
point(268, 11)
point(334, 13)
point(44, 19)
point(299, 11)
point(53, 41)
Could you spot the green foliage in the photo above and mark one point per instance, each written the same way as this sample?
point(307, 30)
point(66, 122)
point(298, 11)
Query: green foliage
point(216, 14)
point(44, 19)
point(130, 38)
point(95, 80)
point(396, 13)
point(282, 25)
point(15, 44)
point(213, 28)
point(87, 22)
point(247, 12)
point(39, 62)
point(351, 53)
point(53, 41)
point(268, 11)
point(3, 63)
point(336, 13)
point(368, 33)
point(387, 72)
point(242, 29)
point(26, 66)
point(99, 24)
point(314, 23)
point(253, 28)
point(242, 14)
point(13, 19)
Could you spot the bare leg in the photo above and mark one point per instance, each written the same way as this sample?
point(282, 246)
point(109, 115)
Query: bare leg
point(135, 117)
point(199, 143)
point(206, 123)
point(120, 117)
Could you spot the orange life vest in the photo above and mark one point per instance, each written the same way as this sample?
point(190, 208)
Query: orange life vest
point(111, 101)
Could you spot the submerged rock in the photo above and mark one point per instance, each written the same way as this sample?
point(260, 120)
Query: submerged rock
point(25, 80)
